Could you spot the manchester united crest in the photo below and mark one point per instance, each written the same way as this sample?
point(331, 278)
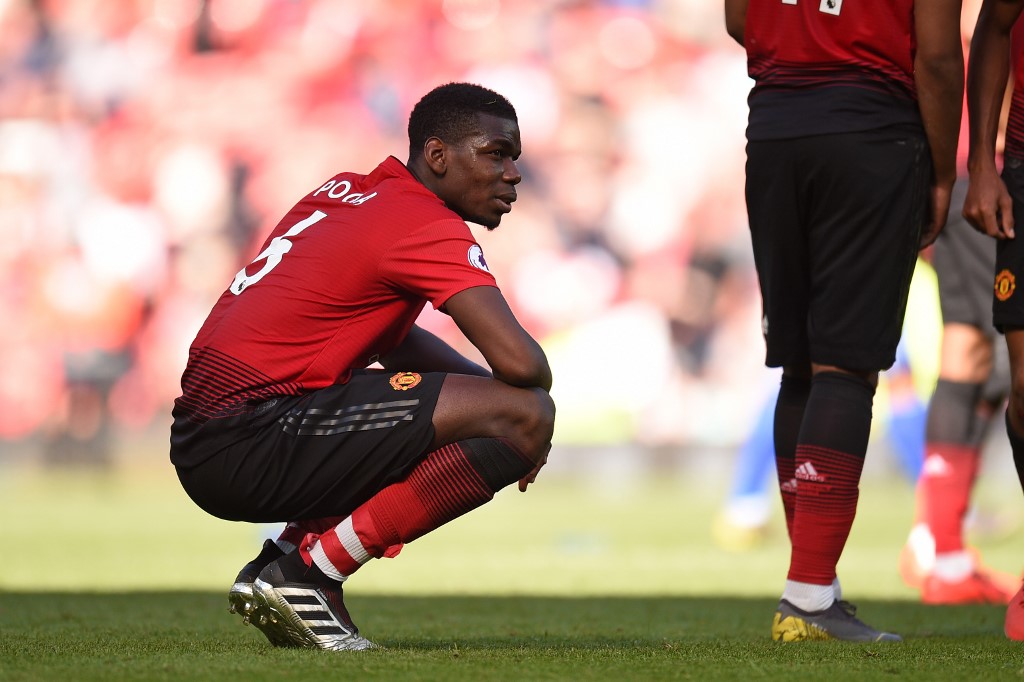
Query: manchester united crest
point(1005, 284)
point(403, 381)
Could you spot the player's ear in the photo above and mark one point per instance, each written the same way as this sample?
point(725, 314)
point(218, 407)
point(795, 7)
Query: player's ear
point(434, 153)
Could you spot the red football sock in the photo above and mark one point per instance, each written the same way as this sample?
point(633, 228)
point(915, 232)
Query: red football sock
point(829, 462)
point(449, 482)
point(946, 480)
point(826, 504)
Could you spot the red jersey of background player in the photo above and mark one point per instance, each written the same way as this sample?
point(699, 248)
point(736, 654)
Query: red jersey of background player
point(338, 284)
point(861, 50)
point(1014, 146)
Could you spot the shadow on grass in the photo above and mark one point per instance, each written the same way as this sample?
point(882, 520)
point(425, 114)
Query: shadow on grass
point(430, 621)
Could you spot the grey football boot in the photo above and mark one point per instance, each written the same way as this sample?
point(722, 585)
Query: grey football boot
point(838, 621)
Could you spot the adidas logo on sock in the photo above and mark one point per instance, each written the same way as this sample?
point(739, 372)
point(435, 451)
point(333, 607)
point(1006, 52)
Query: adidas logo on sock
point(807, 472)
point(789, 486)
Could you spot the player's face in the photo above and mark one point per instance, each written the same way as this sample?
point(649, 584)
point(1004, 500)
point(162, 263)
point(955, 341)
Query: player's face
point(481, 175)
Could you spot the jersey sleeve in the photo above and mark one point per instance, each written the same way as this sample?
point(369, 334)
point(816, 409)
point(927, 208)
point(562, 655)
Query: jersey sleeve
point(436, 262)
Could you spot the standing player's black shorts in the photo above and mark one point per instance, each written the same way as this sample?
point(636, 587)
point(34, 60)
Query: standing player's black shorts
point(963, 259)
point(1008, 299)
point(836, 223)
point(312, 456)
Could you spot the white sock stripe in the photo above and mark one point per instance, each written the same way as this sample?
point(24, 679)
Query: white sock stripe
point(324, 564)
point(350, 541)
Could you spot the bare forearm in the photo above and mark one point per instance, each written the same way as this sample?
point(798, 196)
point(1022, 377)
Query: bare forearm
point(515, 357)
point(988, 205)
point(940, 98)
point(939, 78)
point(423, 352)
point(986, 86)
point(536, 373)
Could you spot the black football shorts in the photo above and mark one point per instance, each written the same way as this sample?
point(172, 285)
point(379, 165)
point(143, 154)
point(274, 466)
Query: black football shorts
point(318, 455)
point(835, 222)
point(1007, 296)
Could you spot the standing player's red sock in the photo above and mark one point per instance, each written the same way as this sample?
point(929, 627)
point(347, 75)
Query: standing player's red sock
point(947, 477)
point(829, 462)
point(789, 414)
point(953, 436)
point(449, 482)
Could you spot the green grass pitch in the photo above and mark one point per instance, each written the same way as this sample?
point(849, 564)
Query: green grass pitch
point(119, 576)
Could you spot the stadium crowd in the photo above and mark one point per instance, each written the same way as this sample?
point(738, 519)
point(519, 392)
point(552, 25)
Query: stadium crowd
point(147, 146)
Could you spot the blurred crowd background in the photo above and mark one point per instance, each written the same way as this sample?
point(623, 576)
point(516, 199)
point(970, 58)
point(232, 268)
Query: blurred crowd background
point(148, 146)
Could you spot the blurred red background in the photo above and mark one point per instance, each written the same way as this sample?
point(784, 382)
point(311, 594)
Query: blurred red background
point(147, 146)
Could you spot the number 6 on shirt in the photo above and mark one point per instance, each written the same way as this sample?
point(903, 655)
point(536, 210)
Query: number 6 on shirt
point(273, 254)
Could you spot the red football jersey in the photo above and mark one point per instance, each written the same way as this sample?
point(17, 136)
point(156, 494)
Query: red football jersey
point(799, 42)
point(829, 66)
point(1014, 145)
point(338, 284)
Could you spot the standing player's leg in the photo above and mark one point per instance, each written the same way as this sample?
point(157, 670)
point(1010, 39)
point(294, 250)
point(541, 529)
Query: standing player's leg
point(935, 558)
point(1008, 318)
point(828, 461)
point(956, 427)
point(1014, 624)
point(863, 243)
point(1015, 410)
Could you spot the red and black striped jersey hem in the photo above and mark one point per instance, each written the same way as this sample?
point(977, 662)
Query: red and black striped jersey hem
point(215, 385)
point(1015, 127)
point(773, 74)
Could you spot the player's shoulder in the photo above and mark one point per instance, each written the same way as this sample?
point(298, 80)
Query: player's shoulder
point(355, 189)
point(390, 198)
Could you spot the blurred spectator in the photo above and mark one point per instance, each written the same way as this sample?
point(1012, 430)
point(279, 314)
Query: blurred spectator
point(145, 146)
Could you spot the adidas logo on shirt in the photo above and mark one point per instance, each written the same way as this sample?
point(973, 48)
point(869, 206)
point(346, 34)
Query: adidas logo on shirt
point(807, 472)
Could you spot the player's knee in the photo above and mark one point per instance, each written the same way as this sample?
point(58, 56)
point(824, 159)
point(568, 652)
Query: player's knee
point(543, 416)
point(534, 423)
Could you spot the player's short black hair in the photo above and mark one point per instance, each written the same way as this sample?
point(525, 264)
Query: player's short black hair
point(449, 113)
